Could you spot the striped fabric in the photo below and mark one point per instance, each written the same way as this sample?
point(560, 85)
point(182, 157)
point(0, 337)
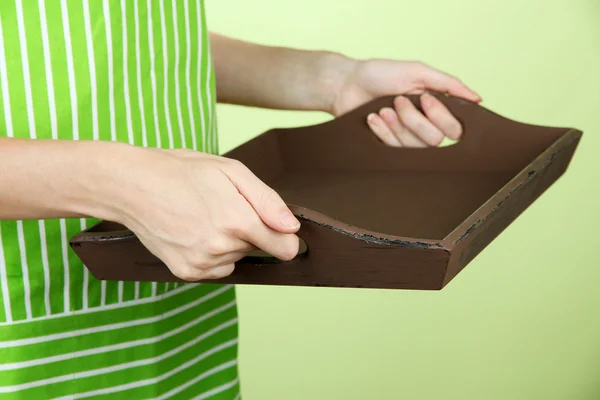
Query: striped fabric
point(135, 71)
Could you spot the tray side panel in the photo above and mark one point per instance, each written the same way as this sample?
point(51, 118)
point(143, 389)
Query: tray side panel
point(522, 192)
point(333, 260)
point(490, 143)
point(338, 260)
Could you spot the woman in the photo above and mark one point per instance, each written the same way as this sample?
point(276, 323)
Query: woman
point(108, 112)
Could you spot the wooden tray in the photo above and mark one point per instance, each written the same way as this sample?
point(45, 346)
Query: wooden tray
point(374, 216)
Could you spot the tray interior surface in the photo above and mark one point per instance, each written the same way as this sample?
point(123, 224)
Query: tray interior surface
point(426, 205)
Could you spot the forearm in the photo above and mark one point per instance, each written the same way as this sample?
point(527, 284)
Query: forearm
point(42, 179)
point(275, 77)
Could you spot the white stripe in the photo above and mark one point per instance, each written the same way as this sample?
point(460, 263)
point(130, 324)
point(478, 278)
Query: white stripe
point(166, 286)
point(200, 23)
point(107, 370)
point(153, 74)
point(65, 256)
point(136, 289)
point(110, 327)
point(5, 91)
point(188, 60)
point(209, 95)
point(237, 397)
point(126, 73)
point(86, 276)
point(131, 303)
point(154, 381)
point(75, 122)
point(25, 269)
point(121, 290)
point(3, 275)
point(111, 78)
point(45, 265)
point(176, 69)
point(102, 293)
point(48, 65)
point(126, 90)
point(32, 135)
point(91, 56)
point(54, 131)
point(89, 39)
point(126, 345)
point(70, 69)
point(141, 102)
point(218, 389)
point(9, 132)
point(26, 73)
point(165, 58)
point(209, 393)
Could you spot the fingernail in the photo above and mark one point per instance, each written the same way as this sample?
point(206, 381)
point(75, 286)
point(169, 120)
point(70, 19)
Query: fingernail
point(371, 118)
point(288, 220)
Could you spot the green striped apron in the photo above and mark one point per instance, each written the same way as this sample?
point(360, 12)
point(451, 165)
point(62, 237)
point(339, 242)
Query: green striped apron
point(135, 71)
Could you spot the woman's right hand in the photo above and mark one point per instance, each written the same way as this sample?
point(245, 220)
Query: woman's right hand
point(199, 213)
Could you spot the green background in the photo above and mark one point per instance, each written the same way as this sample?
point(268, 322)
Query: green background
point(521, 321)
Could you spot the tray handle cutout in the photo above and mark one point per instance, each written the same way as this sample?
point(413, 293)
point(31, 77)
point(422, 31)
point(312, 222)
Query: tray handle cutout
point(112, 252)
point(477, 125)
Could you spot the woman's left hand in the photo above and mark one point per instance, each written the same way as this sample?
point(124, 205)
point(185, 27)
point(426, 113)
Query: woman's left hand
point(403, 125)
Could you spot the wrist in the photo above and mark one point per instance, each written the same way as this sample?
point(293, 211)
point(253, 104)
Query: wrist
point(333, 72)
point(101, 189)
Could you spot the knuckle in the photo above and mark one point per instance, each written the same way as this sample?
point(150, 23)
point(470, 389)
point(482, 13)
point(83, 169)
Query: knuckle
point(240, 226)
point(217, 245)
point(189, 274)
point(237, 164)
point(434, 140)
point(219, 272)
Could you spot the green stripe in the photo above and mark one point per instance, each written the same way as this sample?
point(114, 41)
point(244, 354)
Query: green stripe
point(58, 58)
point(14, 70)
point(55, 259)
point(34, 265)
point(183, 83)
point(141, 52)
point(37, 69)
point(14, 276)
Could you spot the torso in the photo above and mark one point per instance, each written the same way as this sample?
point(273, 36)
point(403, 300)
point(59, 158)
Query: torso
point(83, 70)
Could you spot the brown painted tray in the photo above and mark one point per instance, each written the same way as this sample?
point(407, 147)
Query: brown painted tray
point(375, 216)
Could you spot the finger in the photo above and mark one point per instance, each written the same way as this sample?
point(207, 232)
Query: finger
point(431, 78)
point(439, 116)
point(218, 271)
point(390, 117)
point(222, 271)
point(250, 228)
point(416, 122)
point(382, 131)
point(266, 202)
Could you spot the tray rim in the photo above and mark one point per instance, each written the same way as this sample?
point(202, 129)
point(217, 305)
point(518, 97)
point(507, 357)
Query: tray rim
point(512, 187)
point(447, 243)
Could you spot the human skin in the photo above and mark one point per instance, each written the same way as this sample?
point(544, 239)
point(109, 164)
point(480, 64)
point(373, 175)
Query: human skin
point(223, 211)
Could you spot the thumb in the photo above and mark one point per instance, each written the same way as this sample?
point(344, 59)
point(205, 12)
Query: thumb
point(269, 206)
